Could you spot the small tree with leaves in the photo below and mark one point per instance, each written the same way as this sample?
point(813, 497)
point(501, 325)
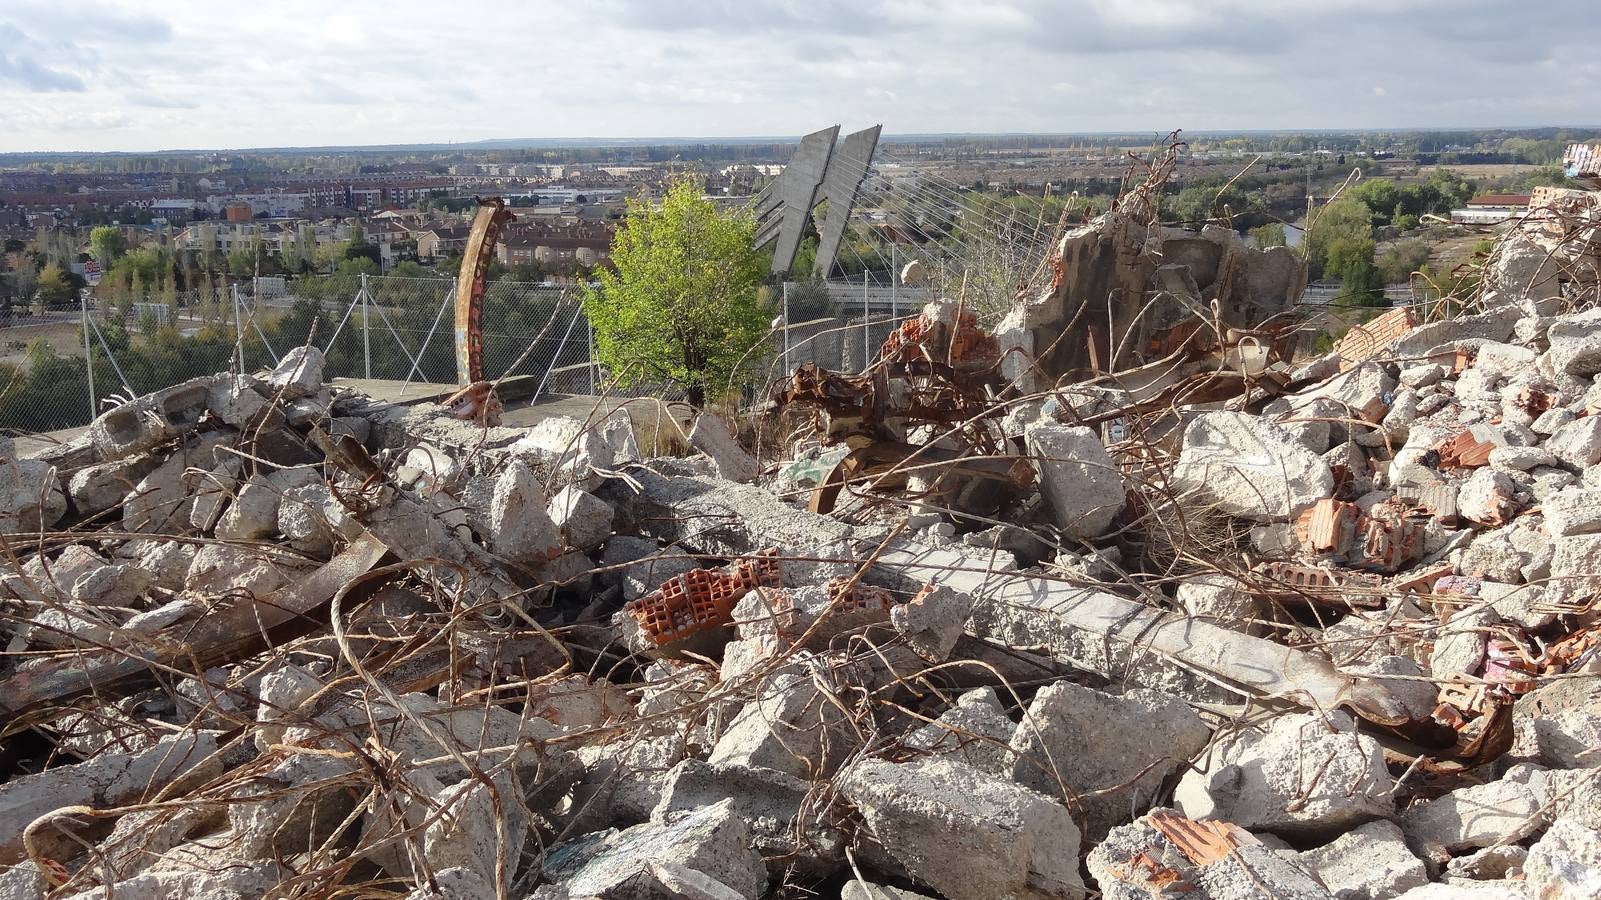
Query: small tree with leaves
point(682, 304)
point(107, 244)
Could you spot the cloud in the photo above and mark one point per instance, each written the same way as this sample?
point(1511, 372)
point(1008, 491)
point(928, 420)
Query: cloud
point(158, 102)
point(30, 75)
point(299, 72)
point(20, 66)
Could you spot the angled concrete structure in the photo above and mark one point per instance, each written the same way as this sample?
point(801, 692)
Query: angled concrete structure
point(846, 169)
point(788, 201)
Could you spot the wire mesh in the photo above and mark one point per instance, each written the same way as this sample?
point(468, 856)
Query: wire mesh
point(382, 328)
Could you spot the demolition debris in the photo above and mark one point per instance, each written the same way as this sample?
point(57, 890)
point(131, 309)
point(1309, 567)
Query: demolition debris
point(1129, 596)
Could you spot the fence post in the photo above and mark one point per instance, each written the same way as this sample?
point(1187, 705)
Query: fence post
point(239, 331)
point(867, 317)
point(785, 368)
point(589, 330)
point(366, 329)
point(88, 354)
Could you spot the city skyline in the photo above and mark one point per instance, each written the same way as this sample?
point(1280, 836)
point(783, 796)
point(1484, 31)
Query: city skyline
point(113, 76)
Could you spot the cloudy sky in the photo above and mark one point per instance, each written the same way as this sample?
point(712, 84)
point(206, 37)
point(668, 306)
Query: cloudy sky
point(146, 75)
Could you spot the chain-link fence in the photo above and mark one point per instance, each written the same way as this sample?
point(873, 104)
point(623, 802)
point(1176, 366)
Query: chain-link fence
point(59, 369)
point(840, 324)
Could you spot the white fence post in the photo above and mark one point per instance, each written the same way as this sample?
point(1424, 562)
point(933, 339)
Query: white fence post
point(785, 368)
point(88, 355)
point(366, 329)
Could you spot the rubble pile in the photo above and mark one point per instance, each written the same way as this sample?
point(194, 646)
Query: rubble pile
point(1109, 602)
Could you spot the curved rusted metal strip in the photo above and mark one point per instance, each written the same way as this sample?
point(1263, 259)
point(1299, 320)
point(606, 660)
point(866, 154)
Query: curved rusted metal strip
point(492, 214)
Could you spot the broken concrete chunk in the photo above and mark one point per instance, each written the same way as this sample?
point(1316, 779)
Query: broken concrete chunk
point(1205, 860)
point(1573, 510)
point(1575, 569)
point(428, 469)
point(235, 401)
point(975, 731)
point(233, 882)
point(1405, 679)
point(31, 498)
point(1565, 864)
point(1489, 864)
point(1224, 599)
point(713, 436)
point(520, 528)
point(298, 374)
point(1250, 468)
point(1487, 498)
point(213, 491)
point(772, 804)
point(1081, 483)
point(302, 520)
point(584, 520)
point(1521, 459)
point(621, 865)
point(909, 566)
point(298, 802)
point(1577, 445)
point(1112, 752)
point(163, 500)
point(253, 514)
point(1461, 645)
point(568, 445)
point(791, 727)
point(1472, 817)
point(1568, 738)
point(1370, 862)
point(230, 568)
point(932, 620)
point(103, 486)
point(1575, 344)
point(105, 781)
point(1304, 775)
point(966, 834)
point(1361, 393)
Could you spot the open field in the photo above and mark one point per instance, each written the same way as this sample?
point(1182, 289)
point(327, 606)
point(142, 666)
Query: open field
point(1480, 170)
point(61, 330)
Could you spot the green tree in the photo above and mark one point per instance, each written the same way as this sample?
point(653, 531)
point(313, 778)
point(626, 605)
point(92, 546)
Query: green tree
point(1401, 259)
point(1351, 260)
point(107, 244)
point(1269, 235)
point(682, 304)
point(54, 288)
point(1344, 218)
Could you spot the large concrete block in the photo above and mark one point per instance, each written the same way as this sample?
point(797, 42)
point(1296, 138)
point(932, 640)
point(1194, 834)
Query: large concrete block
point(1080, 481)
point(145, 422)
point(774, 805)
point(713, 436)
point(1112, 752)
point(791, 727)
point(1139, 862)
point(1250, 467)
point(106, 781)
point(624, 865)
point(298, 374)
point(965, 834)
point(520, 527)
point(1476, 816)
point(1303, 775)
point(1370, 862)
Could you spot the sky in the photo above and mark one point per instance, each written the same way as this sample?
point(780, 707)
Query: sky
point(140, 76)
